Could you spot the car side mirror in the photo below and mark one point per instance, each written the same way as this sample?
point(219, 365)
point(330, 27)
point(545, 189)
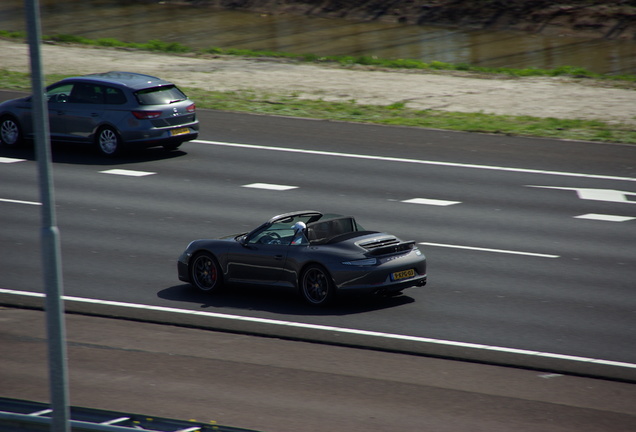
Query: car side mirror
point(243, 240)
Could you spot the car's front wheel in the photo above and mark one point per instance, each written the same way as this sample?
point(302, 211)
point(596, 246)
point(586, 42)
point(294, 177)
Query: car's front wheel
point(316, 286)
point(205, 273)
point(108, 141)
point(10, 132)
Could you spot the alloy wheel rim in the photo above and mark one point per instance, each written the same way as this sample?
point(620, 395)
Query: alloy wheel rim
point(108, 141)
point(205, 273)
point(316, 286)
point(9, 132)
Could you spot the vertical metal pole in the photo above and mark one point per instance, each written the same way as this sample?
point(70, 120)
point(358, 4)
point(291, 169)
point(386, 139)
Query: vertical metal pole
point(51, 255)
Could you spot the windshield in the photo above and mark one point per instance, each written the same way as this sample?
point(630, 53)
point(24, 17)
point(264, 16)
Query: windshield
point(160, 95)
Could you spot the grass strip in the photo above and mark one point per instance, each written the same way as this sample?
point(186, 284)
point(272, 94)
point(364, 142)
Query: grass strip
point(399, 115)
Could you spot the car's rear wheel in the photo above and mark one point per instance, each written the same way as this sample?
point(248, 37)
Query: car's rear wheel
point(10, 132)
point(108, 141)
point(205, 273)
point(316, 286)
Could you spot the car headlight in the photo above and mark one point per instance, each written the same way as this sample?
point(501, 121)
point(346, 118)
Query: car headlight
point(362, 262)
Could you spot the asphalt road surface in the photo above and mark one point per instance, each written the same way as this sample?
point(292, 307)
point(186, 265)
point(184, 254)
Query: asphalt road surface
point(529, 241)
point(275, 385)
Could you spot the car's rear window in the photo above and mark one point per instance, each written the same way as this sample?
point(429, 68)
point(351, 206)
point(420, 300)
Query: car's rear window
point(323, 231)
point(160, 95)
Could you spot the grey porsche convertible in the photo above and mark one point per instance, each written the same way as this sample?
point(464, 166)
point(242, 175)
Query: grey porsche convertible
point(320, 255)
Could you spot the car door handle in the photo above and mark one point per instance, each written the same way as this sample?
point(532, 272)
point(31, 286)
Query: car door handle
point(60, 112)
point(278, 257)
point(94, 114)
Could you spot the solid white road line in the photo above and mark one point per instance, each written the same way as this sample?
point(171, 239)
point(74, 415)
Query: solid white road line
point(504, 251)
point(19, 201)
point(336, 330)
point(414, 161)
point(10, 160)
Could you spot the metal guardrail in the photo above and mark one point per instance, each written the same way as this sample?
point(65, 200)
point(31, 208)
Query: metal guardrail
point(25, 416)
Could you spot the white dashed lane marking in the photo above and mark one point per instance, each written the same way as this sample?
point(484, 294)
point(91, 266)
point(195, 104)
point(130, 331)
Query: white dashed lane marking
point(270, 186)
point(433, 202)
point(130, 173)
point(605, 217)
point(607, 195)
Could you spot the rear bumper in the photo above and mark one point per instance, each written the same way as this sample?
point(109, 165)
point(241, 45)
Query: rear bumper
point(388, 288)
point(379, 279)
point(164, 139)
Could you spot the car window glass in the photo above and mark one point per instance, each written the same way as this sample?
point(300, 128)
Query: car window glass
point(279, 234)
point(323, 231)
point(86, 93)
point(114, 96)
point(282, 232)
point(59, 93)
point(160, 95)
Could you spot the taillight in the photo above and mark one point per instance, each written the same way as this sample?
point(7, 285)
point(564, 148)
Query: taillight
point(142, 115)
point(191, 108)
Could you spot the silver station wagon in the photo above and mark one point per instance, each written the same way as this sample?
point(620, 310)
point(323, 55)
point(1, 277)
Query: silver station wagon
point(113, 111)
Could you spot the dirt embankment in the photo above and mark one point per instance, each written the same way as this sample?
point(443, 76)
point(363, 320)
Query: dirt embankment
point(611, 19)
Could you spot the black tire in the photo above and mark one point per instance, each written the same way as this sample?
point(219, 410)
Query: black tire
point(205, 273)
point(316, 286)
point(10, 132)
point(108, 141)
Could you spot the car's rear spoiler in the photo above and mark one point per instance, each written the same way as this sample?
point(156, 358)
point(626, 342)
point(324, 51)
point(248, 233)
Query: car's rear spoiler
point(392, 249)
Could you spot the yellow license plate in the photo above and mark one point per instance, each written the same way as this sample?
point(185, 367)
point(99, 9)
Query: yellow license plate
point(179, 131)
point(404, 274)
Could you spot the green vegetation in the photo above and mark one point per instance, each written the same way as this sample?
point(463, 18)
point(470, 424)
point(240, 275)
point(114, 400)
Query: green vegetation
point(398, 114)
point(394, 114)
